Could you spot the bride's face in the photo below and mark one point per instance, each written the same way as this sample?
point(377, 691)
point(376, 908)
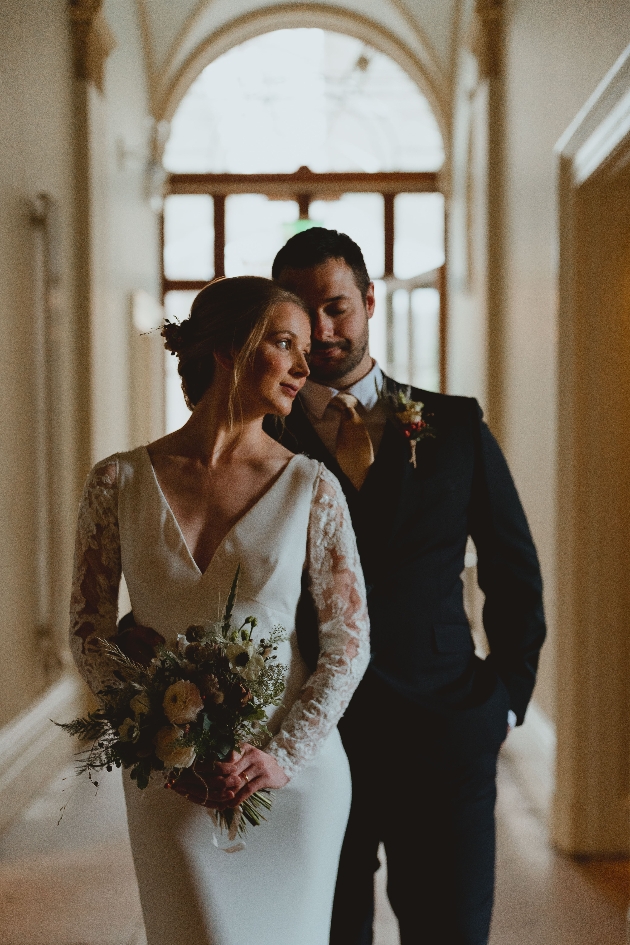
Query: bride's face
point(280, 366)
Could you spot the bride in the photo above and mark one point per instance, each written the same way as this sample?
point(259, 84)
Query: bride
point(176, 518)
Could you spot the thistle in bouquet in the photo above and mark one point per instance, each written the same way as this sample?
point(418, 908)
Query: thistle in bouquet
point(198, 702)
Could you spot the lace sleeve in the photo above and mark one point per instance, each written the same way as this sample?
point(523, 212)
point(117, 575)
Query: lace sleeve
point(336, 585)
point(96, 578)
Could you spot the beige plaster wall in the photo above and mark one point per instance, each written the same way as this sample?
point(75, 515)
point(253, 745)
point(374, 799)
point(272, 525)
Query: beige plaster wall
point(125, 240)
point(36, 156)
point(89, 151)
point(556, 56)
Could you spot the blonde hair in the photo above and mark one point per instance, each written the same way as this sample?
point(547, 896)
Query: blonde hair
point(229, 316)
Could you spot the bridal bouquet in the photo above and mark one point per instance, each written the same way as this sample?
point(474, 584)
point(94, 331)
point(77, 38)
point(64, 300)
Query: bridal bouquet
point(198, 702)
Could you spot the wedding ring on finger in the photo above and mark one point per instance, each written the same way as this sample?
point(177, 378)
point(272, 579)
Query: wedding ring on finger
point(244, 777)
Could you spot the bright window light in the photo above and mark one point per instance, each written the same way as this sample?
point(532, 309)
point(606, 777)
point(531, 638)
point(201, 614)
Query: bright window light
point(303, 97)
point(419, 227)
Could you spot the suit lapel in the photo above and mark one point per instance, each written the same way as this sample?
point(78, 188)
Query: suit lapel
point(387, 471)
point(390, 489)
point(393, 486)
point(381, 498)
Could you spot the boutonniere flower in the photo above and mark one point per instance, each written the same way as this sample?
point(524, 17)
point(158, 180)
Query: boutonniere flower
point(409, 416)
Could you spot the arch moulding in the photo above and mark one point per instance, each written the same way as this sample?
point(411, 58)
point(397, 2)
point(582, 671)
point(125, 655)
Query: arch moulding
point(177, 80)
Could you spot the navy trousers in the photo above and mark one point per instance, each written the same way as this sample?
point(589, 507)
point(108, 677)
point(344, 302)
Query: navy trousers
point(424, 784)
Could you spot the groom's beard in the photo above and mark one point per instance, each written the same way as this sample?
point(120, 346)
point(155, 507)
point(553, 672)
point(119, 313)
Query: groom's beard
point(330, 371)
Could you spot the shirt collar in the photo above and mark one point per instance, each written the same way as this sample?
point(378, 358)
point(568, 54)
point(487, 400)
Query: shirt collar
point(316, 397)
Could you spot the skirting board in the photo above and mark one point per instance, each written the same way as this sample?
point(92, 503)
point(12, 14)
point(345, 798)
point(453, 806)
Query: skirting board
point(32, 749)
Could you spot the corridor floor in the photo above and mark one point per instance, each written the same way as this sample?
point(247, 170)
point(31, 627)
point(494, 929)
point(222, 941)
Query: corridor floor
point(73, 883)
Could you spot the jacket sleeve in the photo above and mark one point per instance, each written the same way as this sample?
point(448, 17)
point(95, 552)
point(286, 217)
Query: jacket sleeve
point(508, 571)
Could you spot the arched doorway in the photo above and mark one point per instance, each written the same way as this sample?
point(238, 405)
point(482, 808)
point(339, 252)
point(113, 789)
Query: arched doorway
point(301, 127)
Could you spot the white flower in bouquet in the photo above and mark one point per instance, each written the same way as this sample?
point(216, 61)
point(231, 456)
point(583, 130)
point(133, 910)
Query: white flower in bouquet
point(182, 702)
point(140, 705)
point(245, 659)
point(168, 750)
point(253, 668)
point(239, 653)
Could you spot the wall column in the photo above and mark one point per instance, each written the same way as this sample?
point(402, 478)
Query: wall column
point(490, 50)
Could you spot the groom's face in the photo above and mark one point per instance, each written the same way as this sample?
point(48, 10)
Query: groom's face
point(339, 320)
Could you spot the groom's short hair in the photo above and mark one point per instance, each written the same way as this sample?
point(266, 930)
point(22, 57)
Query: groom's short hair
point(315, 246)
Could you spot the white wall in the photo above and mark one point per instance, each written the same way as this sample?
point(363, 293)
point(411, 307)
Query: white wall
point(107, 241)
point(556, 56)
point(125, 240)
point(36, 156)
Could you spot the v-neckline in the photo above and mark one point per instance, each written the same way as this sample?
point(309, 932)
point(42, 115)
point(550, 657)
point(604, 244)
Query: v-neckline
point(232, 528)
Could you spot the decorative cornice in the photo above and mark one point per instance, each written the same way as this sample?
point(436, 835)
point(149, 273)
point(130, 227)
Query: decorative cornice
point(93, 40)
point(601, 125)
point(144, 24)
point(188, 25)
point(488, 36)
point(432, 61)
point(457, 28)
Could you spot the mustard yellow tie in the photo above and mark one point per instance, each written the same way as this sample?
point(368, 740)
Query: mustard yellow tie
point(354, 450)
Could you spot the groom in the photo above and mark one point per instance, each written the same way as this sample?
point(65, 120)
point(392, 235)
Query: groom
point(424, 728)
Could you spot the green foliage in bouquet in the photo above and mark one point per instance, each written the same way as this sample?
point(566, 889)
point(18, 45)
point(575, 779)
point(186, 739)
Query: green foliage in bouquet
point(198, 702)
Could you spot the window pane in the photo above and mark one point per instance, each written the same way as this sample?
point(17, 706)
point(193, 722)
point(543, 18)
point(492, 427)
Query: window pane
point(400, 336)
point(303, 97)
point(176, 308)
point(425, 338)
point(255, 229)
point(189, 237)
point(415, 341)
point(419, 234)
point(361, 216)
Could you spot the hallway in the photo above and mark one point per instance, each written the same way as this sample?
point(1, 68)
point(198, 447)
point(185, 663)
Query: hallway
point(479, 151)
point(73, 884)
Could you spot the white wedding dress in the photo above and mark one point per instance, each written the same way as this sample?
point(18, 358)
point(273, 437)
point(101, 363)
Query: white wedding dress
point(279, 889)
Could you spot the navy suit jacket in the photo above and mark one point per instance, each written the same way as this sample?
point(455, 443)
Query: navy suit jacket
point(412, 527)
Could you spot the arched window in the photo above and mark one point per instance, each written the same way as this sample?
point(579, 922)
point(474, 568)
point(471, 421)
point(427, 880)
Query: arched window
point(304, 127)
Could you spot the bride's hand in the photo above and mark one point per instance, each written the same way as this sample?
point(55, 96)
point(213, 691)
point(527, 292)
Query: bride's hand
point(242, 775)
point(203, 784)
point(229, 783)
point(254, 769)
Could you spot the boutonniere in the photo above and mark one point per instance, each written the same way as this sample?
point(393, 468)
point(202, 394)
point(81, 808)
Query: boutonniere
point(409, 416)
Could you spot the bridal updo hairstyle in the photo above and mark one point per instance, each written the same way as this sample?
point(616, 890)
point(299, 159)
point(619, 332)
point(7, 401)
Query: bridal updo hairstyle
point(229, 316)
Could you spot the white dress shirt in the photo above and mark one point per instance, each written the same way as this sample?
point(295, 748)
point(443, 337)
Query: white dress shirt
point(316, 399)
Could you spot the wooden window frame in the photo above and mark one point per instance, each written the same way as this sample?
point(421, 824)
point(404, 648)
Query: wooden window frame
point(304, 187)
